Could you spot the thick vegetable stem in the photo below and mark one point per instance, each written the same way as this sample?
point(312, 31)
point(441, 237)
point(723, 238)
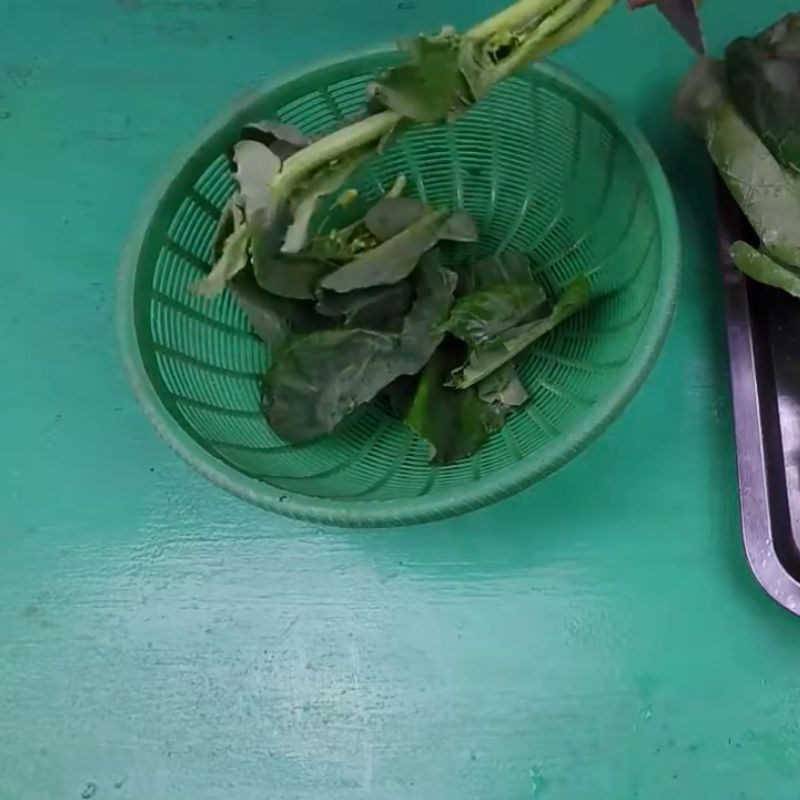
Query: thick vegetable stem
point(335, 145)
point(530, 28)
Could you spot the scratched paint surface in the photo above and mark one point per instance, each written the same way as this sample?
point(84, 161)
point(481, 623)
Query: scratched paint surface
point(597, 637)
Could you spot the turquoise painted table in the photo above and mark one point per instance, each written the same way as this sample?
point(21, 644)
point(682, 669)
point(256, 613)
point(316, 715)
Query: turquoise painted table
point(597, 637)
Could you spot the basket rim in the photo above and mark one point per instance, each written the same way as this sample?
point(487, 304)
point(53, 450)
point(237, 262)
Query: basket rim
point(439, 505)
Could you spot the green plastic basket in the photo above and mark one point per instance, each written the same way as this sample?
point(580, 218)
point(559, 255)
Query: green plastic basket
point(546, 166)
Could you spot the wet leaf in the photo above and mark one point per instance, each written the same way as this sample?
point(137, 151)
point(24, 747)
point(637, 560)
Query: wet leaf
point(760, 267)
point(485, 360)
point(379, 308)
point(317, 380)
point(765, 87)
point(457, 422)
point(431, 87)
point(272, 318)
point(293, 277)
point(768, 194)
point(392, 215)
point(391, 261)
point(233, 260)
point(481, 316)
point(306, 198)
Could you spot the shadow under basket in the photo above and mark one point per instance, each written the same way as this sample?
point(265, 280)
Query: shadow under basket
point(545, 166)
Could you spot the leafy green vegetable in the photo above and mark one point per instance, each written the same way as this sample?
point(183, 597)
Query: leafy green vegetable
point(225, 226)
point(260, 225)
point(392, 215)
point(766, 193)
point(306, 198)
point(317, 380)
point(274, 319)
point(295, 277)
point(481, 316)
point(232, 261)
point(485, 360)
point(363, 310)
point(764, 79)
point(256, 167)
point(379, 308)
point(760, 267)
point(457, 422)
point(448, 72)
point(431, 87)
point(267, 221)
point(391, 261)
point(523, 32)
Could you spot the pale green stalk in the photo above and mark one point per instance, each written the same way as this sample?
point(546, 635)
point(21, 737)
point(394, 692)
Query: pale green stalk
point(563, 24)
point(574, 29)
point(335, 145)
point(512, 18)
point(542, 26)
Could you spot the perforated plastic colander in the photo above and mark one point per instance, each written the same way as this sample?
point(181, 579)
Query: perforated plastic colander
point(546, 167)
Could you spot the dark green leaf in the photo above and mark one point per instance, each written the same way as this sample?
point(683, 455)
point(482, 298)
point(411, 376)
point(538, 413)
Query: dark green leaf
point(767, 194)
point(760, 267)
point(485, 360)
point(267, 226)
point(291, 276)
point(317, 380)
point(379, 308)
point(481, 316)
point(306, 198)
point(232, 260)
point(766, 92)
point(392, 215)
point(457, 422)
point(391, 261)
point(431, 87)
point(274, 318)
point(460, 227)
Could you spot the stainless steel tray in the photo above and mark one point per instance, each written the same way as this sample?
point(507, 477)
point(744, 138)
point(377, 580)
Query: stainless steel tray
point(764, 346)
